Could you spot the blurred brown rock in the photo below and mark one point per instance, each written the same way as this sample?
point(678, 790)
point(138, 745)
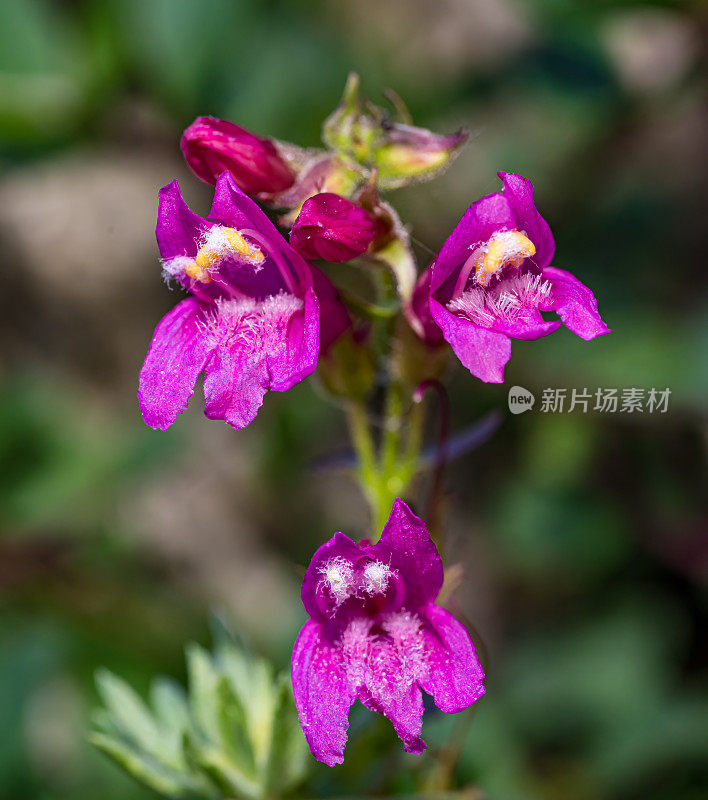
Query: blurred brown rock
point(78, 235)
point(652, 49)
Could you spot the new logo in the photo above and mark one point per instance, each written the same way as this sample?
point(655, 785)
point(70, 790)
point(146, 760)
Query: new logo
point(520, 400)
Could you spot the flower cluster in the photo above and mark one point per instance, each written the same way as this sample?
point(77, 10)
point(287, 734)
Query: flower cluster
point(259, 314)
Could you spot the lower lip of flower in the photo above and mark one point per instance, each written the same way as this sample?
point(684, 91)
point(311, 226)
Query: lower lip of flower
point(505, 302)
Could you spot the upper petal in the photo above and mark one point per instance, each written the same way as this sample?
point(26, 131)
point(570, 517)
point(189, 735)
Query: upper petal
point(323, 695)
point(454, 677)
point(485, 216)
point(178, 353)
point(483, 351)
point(519, 193)
point(178, 227)
point(575, 304)
point(233, 208)
point(406, 546)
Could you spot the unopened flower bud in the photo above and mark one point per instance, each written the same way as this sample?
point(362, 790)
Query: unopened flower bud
point(212, 146)
point(407, 154)
point(333, 228)
point(368, 135)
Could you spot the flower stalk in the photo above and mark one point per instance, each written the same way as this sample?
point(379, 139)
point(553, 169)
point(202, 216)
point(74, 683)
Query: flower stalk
point(261, 316)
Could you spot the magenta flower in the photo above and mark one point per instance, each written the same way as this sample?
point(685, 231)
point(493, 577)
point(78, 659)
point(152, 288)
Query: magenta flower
point(491, 280)
point(211, 146)
point(252, 322)
point(333, 228)
point(375, 633)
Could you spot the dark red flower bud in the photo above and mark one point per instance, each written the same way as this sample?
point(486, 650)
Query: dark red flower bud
point(212, 146)
point(333, 228)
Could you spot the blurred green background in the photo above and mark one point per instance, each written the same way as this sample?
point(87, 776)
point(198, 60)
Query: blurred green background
point(583, 535)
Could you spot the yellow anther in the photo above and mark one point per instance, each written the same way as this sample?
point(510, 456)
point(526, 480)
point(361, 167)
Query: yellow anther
point(239, 245)
point(506, 247)
point(223, 242)
point(206, 258)
point(196, 271)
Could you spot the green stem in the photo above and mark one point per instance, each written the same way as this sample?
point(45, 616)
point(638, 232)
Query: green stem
point(386, 475)
point(363, 445)
point(370, 310)
point(392, 429)
point(442, 774)
point(409, 463)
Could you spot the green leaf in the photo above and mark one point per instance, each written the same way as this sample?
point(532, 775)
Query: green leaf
point(289, 753)
point(233, 727)
point(216, 766)
point(169, 700)
point(203, 682)
point(234, 735)
point(172, 714)
point(252, 682)
point(129, 714)
point(147, 770)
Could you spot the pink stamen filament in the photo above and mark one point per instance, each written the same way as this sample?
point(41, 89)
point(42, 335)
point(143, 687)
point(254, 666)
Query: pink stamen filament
point(229, 288)
point(465, 272)
point(196, 290)
point(288, 276)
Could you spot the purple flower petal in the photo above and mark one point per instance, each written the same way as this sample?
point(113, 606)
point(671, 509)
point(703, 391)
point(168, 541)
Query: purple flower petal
point(258, 346)
point(519, 193)
point(404, 710)
point(406, 546)
point(323, 695)
point(575, 304)
point(483, 218)
point(418, 312)
point(178, 227)
point(384, 670)
point(530, 325)
point(482, 351)
point(177, 354)
point(235, 383)
point(334, 317)
point(454, 676)
point(294, 357)
point(233, 208)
